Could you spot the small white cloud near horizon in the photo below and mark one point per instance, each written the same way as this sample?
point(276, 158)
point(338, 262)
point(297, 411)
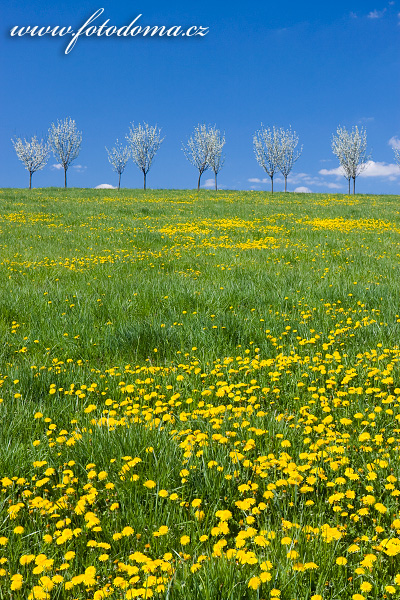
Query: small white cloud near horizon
point(57, 166)
point(338, 171)
point(302, 190)
point(209, 183)
point(394, 142)
point(299, 179)
point(79, 168)
point(373, 169)
point(105, 186)
point(376, 14)
point(257, 180)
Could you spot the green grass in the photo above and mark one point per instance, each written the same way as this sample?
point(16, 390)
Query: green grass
point(144, 304)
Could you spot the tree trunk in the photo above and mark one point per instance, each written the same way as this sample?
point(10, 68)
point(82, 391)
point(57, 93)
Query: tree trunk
point(65, 177)
point(198, 182)
point(285, 183)
point(119, 180)
point(272, 184)
point(144, 180)
point(354, 185)
point(349, 186)
point(30, 180)
point(216, 188)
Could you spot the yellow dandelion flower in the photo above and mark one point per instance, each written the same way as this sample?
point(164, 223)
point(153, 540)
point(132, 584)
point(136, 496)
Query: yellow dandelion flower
point(26, 559)
point(254, 583)
point(286, 541)
point(163, 530)
point(16, 582)
point(185, 539)
point(390, 589)
point(150, 484)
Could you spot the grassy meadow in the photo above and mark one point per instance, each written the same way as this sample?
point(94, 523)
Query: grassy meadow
point(199, 395)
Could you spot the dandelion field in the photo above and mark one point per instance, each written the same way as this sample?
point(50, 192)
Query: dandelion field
point(199, 396)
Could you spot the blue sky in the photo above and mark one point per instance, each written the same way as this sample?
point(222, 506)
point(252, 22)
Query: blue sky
point(311, 65)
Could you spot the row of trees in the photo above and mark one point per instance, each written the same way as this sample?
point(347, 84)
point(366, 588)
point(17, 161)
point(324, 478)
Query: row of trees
point(203, 150)
point(275, 150)
point(64, 141)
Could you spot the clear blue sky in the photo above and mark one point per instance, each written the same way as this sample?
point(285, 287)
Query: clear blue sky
point(311, 65)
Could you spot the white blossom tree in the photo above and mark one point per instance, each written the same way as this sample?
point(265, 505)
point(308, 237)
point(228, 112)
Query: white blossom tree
point(118, 156)
point(217, 159)
point(350, 147)
point(65, 142)
point(397, 156)
point(144, 141)
point(34, 154)
point(267, 148)
point(199, 149)
point(340, 148)
point(288, 154)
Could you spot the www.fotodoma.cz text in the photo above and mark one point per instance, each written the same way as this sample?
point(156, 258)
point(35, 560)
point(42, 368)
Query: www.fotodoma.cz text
point(88, 29)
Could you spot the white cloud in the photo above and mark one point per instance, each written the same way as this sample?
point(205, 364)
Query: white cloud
point(302, 190)
point(209, 183)
point(333, 186)
point(79, 168)
point(57, 166)
point(381, 169)
point(305, 178)
point(394, 142)
point(105, 186)
point(257, 180)
point(338, 171)
point(373, 169)
point(376, 14)
point(302, 180)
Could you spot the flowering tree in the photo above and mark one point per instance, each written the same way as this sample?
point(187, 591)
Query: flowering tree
point(144, 141)
point(350, 147)
point(217, 159)
point(397, 156)
point(199, 149)
point(65, 142)
point(118, 156)
point(34, 154)
point(288, 155)
point(267, 148)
